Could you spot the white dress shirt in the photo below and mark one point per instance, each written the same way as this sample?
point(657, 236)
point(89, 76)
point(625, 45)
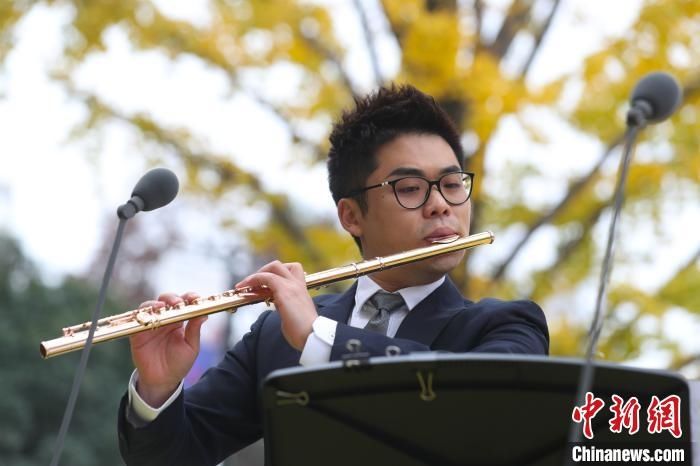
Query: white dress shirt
point(318, 346)
point(317, 349)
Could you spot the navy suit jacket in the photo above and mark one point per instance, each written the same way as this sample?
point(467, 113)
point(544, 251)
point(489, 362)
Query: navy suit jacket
point(221, 413)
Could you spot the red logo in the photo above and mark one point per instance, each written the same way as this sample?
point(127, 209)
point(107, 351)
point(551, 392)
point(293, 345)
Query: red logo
point(661, 415)
point(587, 412)
point(665, 415)
point(625, 415)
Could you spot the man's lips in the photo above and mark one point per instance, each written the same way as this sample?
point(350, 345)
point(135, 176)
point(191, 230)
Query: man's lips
point(441, 235)
point(446, 239)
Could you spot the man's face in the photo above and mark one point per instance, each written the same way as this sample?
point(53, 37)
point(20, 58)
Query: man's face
point(387, 228)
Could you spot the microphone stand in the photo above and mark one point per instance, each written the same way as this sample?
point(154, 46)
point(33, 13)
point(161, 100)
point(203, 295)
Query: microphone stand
point(636, 121)
point(155, 189)
point(80, 372)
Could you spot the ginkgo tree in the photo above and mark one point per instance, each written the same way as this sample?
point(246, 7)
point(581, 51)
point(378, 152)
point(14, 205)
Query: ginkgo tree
point(476, 57)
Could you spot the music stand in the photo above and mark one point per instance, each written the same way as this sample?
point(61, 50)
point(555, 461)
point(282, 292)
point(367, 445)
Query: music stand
point(448, 409)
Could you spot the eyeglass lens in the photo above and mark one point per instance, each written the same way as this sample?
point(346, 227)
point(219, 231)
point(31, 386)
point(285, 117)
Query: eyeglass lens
point(412, 192)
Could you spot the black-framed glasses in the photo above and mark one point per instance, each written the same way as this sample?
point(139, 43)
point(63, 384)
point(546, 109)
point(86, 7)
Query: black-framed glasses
point(413, 191)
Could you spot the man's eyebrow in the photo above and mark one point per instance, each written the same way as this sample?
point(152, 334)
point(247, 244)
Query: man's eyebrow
point(407, 171)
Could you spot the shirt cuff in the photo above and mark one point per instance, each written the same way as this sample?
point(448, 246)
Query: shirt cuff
point(317, 349)
point(139, 412)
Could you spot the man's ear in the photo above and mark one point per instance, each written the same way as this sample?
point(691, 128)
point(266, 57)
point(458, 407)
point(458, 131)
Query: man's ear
point(350, 216)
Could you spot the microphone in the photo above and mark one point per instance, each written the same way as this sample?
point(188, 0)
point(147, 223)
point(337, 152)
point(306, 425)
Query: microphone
point(155, 189)
point(655, 97)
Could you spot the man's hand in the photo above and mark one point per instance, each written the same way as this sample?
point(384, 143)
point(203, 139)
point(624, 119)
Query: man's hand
point(163, 356)
point(287, 284)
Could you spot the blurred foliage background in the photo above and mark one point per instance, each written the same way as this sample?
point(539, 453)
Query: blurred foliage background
point(33, 393)
point(291, 60)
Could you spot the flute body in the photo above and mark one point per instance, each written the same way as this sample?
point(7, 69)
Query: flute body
point(139, 320)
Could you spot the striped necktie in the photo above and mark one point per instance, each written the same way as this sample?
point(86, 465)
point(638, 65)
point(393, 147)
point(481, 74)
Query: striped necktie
point(379, 308)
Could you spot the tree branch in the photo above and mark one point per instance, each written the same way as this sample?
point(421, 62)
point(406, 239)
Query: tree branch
point(685, 362)
point(575, 188)
point(328, 54)
point(539, 36)
point(518, 15)
point(369, 41)
point(281, 211)
point(568, 248)
point(279, 113)
point(395, 32)
point(689, 90)
point(478, 20)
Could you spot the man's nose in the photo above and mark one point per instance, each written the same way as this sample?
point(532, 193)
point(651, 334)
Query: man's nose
point(436, 203)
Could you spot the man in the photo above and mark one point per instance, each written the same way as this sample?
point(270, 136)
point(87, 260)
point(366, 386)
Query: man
point(395, 172)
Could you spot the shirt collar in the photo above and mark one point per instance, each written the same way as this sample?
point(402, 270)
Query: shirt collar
point(412, 295)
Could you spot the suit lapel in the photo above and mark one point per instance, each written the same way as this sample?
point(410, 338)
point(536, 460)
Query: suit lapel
point(429, 317)
point(423, 324)
point(338, 307)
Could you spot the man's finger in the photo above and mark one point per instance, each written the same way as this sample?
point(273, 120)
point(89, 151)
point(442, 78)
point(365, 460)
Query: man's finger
point(296, 270)
point(171, 299)
point(190, 297)
point(152, 303)
point(193, 331)
point(277, 268)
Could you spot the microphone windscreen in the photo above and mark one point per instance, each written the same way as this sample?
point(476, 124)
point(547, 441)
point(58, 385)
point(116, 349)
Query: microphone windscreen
point(661, 91)
point(156, 188)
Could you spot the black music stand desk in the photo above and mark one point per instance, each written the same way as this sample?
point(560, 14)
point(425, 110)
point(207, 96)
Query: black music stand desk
point(449, 409)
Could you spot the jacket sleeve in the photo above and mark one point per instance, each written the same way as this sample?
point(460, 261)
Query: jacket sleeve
point(214, 418)
point(371, 343)
point(517, 327)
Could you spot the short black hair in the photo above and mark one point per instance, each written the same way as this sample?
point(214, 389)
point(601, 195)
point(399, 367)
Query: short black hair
point(378, 119)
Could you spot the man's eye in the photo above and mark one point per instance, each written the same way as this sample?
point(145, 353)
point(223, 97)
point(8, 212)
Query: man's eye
point(408, 189)
point(452, 185)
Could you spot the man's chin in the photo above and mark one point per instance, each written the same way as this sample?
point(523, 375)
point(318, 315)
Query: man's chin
point(445, 263)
